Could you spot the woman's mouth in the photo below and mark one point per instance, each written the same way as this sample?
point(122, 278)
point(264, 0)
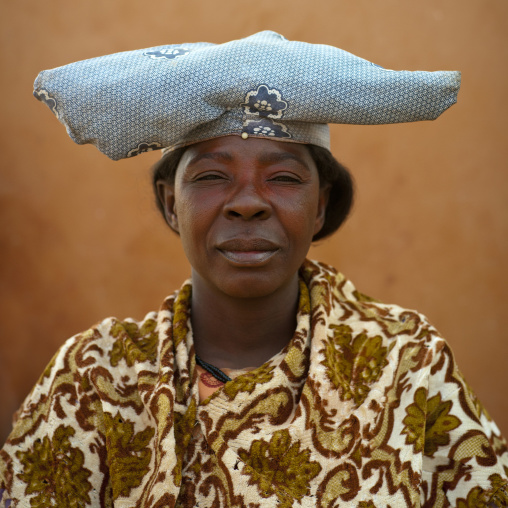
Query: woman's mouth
point(252, 257)
point(248, 251)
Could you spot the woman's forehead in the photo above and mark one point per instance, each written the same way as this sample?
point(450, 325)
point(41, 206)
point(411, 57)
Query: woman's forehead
point(228, 148)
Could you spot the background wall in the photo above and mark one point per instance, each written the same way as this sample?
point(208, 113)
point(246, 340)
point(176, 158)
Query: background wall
point(81, 239)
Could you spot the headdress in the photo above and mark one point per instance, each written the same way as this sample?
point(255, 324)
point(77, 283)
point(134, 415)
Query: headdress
point(263, 86)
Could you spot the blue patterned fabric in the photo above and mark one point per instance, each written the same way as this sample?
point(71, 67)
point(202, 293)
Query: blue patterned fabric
point(263, 86)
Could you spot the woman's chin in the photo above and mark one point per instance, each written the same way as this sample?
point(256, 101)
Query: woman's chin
point(246, 282)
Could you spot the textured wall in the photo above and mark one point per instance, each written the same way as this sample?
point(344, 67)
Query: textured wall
point(80, 236)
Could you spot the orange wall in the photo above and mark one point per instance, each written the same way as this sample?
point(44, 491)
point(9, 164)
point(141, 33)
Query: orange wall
point(81, 239)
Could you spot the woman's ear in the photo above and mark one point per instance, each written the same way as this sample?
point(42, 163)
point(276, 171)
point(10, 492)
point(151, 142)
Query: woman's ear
point(166, 195)
point(324, 193)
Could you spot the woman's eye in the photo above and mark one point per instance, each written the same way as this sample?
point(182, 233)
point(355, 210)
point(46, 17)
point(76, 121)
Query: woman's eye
point(211, 176)
point(286, 178)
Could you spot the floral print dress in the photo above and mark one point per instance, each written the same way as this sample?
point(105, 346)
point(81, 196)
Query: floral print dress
point(364, 408)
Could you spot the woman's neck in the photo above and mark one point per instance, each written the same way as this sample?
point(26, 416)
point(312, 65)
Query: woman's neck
point(241, 332)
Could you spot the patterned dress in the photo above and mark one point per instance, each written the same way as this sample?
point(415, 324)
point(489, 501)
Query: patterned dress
point(363, 408)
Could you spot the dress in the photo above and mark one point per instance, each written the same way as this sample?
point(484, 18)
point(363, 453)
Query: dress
point(363, 408)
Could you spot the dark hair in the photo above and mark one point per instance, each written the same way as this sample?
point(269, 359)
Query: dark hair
point(331, 172)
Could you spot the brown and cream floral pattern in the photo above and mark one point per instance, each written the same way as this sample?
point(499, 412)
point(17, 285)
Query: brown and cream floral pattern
point(53, 471)
point(364, 408)
point(279, 463)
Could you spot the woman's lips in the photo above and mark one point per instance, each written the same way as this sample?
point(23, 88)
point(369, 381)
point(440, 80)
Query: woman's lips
point(252, 251)
point(247, 257)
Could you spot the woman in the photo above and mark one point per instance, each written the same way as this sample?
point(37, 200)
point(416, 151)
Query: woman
point(267, 379)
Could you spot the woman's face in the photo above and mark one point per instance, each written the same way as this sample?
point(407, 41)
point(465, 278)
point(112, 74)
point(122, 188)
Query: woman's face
point(246, 212)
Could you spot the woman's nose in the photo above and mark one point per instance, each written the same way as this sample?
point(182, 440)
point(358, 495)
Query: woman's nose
point(247, 203)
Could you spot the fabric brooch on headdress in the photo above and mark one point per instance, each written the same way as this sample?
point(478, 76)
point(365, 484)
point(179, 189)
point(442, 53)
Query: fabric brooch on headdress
point(264, 86)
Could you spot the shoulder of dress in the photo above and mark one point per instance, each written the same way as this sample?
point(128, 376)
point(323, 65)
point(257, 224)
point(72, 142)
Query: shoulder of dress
point(346, 305)
point(113, 341)
point(112, 326)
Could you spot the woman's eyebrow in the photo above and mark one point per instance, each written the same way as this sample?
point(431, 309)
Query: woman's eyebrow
point(215, 156)
point(274, 157)
point(265, 158)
